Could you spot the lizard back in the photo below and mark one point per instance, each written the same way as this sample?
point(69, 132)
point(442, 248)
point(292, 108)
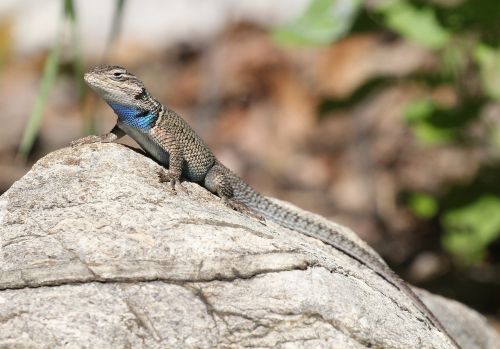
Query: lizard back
point(172, 133)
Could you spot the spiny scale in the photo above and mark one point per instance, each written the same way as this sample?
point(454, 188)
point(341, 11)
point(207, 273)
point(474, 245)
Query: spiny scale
point(173, 143)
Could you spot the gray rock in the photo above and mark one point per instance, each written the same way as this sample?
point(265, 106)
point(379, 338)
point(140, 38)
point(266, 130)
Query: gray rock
point(96, 253)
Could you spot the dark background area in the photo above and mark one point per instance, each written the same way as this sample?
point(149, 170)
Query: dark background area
point(381, 115)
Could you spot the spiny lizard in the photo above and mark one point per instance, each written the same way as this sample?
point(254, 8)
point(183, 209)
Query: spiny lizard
point(174, 144)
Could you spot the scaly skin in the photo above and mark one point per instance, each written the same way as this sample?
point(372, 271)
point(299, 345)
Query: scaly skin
point(174, 144)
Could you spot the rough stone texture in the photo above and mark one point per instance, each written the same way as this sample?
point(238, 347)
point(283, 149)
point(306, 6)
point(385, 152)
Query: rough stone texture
point(96, 253)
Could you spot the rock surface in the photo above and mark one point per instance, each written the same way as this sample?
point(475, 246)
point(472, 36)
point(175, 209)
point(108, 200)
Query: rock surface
point(96, 253)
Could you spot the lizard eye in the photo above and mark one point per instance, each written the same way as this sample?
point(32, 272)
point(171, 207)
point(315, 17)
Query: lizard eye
point(117, 76)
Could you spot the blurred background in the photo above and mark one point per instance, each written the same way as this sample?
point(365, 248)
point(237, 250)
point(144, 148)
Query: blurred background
point(383, 115)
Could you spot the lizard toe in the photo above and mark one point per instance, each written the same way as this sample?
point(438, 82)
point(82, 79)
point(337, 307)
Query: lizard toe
point(242, 208)
point(166, 176)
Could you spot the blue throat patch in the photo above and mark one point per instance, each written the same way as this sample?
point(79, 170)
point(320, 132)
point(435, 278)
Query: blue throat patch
point(134, 117)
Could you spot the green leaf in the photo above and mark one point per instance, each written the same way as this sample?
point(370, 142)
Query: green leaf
point(432, 124)
point(421, 115)
point(488, 60)
point(470, 228)
point(69, 9)
point(49, 75)
point(419, 25)
point(323, 22)
point(423, 205)
point(419, 110)
point(48, 78)
point(429, 134)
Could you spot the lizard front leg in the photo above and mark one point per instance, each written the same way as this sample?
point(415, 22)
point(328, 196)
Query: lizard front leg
point(111, 136)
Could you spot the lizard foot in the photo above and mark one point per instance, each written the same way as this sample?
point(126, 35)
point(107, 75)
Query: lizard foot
point(167, 176)
point(242, 208)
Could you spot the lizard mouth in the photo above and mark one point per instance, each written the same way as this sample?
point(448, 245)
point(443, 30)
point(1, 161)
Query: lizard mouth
point(87, 77)
point(94, 82)
point(89, 80)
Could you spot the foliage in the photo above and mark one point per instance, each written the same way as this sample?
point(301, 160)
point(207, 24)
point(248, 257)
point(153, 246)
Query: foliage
point(419, 25)
point(423, 205)
point(488, 60)
point(465, 36)
point(419, 114)
point(323, 21)
point(472, 227)
point(48, 78)
point(470, 217)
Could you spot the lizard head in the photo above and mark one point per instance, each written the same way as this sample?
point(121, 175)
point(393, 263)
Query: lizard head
point(118, 87)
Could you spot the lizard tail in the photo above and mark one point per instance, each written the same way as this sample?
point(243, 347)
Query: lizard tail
point(314, 228)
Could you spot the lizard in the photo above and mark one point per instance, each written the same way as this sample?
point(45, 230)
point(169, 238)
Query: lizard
point(169, 139)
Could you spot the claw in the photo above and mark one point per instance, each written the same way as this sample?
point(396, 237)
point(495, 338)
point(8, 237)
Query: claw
point(242, 208)
point(167, 176)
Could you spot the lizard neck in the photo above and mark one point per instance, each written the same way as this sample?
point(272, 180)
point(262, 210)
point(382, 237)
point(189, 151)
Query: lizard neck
point(135, 117)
